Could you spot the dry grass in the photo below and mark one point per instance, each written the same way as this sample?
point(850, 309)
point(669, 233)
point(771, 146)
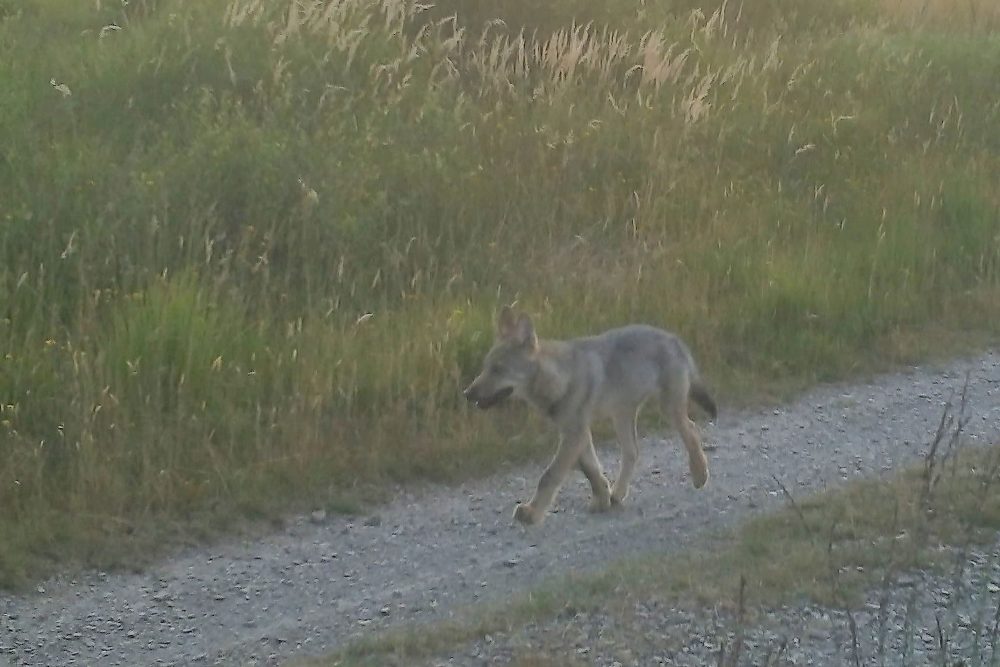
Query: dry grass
point(974, 15)
point(250, 250)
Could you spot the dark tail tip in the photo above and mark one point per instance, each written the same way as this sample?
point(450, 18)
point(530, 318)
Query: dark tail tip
point(704, 399)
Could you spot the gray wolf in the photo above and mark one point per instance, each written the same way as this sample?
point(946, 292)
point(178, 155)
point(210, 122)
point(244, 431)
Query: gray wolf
point(576, 381)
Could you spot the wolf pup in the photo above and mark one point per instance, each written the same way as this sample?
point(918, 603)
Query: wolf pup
point(576, 381)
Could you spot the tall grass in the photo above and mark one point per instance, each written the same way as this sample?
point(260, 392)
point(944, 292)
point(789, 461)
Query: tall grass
point(250, 249)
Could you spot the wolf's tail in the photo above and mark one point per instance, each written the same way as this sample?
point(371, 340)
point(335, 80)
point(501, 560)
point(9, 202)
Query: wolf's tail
point(703, 398)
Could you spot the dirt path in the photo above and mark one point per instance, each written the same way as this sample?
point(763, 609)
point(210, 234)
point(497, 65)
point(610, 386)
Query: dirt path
point(921, 617)
point(312, 587)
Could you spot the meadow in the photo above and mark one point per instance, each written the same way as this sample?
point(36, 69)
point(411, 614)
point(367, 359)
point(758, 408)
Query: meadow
point(250, 250)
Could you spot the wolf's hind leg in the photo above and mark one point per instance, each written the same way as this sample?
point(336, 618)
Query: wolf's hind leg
point(566, 457)
point(628, 441)
point(696, 456)
point(675, 404)
point(591, 467)
point(697, 461)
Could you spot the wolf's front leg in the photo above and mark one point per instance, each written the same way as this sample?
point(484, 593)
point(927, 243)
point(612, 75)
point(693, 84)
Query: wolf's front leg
point(570, 444)
point(628, 441)
point(599, 485)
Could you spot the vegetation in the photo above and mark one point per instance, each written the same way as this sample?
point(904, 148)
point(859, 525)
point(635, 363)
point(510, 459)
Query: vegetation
point(830, 549)
point(251, 249)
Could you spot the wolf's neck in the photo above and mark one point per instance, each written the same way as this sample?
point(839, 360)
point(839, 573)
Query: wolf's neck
point(549, 387)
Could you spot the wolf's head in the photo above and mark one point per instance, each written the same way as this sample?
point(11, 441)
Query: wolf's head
point(510, 363)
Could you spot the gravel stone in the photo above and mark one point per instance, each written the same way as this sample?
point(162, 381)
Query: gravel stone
point(899, 624)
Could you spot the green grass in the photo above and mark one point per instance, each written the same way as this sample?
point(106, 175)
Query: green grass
point(829, 549)
point(203, 201)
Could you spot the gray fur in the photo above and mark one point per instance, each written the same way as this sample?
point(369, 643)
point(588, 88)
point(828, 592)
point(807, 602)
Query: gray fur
point(610, 375)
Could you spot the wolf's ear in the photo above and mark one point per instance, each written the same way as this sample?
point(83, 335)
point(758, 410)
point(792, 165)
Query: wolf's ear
point(506, 323)
point(525, 332)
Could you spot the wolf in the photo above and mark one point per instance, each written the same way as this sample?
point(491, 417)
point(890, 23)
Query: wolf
point(574, 382)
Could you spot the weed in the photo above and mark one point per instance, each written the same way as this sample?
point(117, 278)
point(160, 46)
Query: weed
point(250, 249)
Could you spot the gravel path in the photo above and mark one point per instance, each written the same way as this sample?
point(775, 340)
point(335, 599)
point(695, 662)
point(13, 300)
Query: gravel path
point(314, 586)
point(919, 618)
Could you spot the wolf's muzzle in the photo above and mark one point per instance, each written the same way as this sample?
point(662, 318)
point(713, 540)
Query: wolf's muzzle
point(484, 402)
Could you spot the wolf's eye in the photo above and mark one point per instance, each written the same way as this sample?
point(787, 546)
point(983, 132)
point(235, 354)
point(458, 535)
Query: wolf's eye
point(497, 368)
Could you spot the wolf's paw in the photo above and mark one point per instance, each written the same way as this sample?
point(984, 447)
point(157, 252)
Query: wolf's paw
point(527, 514)
point(699, 473)
point(618, 496)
